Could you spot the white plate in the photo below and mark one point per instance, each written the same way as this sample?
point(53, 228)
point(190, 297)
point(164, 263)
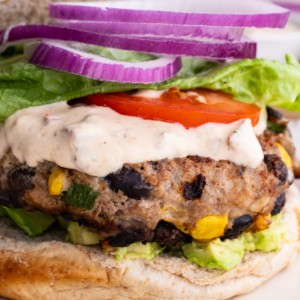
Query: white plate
point(284, 286)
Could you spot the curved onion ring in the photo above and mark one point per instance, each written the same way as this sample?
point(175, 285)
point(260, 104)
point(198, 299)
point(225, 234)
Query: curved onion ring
point(157, 45)
point(189, 12)
point(154, 29)
point(59, 56)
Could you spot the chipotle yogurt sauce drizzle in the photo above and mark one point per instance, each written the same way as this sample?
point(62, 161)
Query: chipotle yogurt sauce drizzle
point(97, 140)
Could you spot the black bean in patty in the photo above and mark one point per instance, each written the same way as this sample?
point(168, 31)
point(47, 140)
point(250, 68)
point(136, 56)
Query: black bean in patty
point(193, 190)
point(275, 165)
point(11, 198)
point(168, 235)
point(130, 236)
point(130, 182)
point(20, 178)
point(239, 225)
point(279, 204)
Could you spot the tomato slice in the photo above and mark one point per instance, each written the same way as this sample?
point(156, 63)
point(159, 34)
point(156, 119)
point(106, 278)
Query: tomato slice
point(190, 108)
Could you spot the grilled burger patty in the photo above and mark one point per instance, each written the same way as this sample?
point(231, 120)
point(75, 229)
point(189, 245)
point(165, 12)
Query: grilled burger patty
point(149, 201)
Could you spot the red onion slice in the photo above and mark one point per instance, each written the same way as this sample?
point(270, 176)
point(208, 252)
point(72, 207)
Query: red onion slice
point(59, 56)
point(291, 5)
point(154, 29)
point(189, 12)
point(157, 45)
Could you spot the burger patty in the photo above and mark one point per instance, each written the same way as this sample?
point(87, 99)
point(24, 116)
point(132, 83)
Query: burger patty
point(149, 201)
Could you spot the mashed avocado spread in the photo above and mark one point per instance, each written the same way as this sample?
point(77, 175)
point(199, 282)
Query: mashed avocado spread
point(228, 254)
point(216, 254)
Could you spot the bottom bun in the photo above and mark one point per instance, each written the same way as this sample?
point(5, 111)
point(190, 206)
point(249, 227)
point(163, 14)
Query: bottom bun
point(48, 268)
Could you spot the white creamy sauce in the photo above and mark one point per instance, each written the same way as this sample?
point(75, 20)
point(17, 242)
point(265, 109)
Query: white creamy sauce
point(196, 96)
point(98, 141)
point(149, 93)
point(261, 126)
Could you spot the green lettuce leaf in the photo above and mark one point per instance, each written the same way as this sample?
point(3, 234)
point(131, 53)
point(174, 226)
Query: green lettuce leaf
point(252, 81)
point(117, 54)
point(24, 85)
point(259, 81)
